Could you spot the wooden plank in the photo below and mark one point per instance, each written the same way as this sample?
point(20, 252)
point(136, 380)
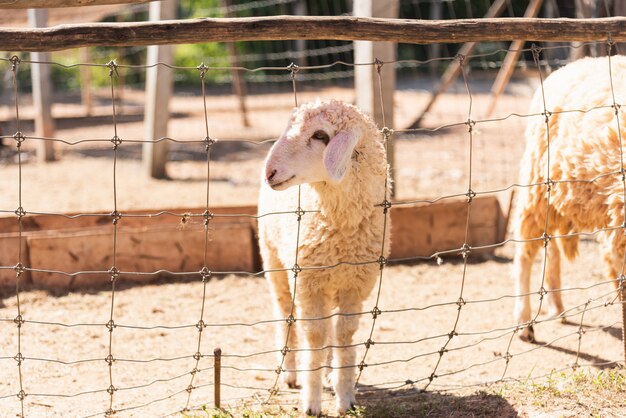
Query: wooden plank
point(49, 4)
point(42, 92)
point(133, 218)
point(424, 229)
point(144, 250)
point(158, 92)
point(345, 28)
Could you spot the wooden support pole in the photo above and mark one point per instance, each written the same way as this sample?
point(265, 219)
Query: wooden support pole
point(375, 85)
point(85, 82)
point(512, 56)
point(42, 92)
point(454, 69)
point(217, 377)
point(49, 4)
point(158, 93)
point(239, 84)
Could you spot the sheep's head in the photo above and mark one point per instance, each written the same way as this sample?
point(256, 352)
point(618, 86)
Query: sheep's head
point(317, 145)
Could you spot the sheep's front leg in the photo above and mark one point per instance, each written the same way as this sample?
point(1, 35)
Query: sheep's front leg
point(283, 300)
point(313, 304)
point(344, 357)
point(522, 263)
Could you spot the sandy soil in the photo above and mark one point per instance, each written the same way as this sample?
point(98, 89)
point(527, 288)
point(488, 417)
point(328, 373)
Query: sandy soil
point(65, 340)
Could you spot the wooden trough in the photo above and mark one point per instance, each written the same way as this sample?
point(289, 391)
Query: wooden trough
point(146, 245)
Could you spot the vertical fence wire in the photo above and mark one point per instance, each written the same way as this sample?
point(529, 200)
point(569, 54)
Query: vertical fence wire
point(207, 217)
point(536, 52)
point(20, 213)
point(617, 109)
point(465, 249)
point(296, 269)
point(386, 205)
point(115, 218)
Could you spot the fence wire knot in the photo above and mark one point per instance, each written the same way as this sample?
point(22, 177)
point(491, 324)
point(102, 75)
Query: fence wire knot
point(19, 269)
point(112, 68)
point(209, 142)
point(114, 273)
point(109, 359)
point(293, 68)
point(109, 412)
point(116, 141)
point(382, 261)
point(197, 356)
point(200, 325)
point(465, 251)
point(208, 216)
point(617, 108)
point(386, 206)
point(621, 281)
point(379, 64)
point(19, 321)
point(110, 325)
point(470, 124)
point(194, 371)
point(460, 58)
point(471, 194)
point(205, 273)
point(508, 356)
point(111, 390)
point(296, 269)
point(285, 350)
point(19, 358)
point(21, 395)
point(203, 70)
point(300, 213)
point(376, 312)
point(189, 388)
point(546, 239)
point(273, 391)
point(542, 292)
point(409, 382)
point(549, 185)
point(369, 343)
point(115, 217)
point(442, 350)
point(362, 365)
point(19, 138)
point(432, 377)
point(15, 61)
point(547, 114)
point(278, 370)
point(536, 50)
point(290, 320)
point(387, 132)
point(461, 302)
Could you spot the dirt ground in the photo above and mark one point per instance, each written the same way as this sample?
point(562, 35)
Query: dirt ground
point(65, 340)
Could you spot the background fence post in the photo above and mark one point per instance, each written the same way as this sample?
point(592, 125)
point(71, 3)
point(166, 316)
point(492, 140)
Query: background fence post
point(158, 92)
point(366, 81)
point(42, 91)
point(217, 378)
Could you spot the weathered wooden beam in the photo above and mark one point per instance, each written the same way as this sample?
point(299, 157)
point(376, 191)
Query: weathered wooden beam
point(311, 27)
point(49, 4)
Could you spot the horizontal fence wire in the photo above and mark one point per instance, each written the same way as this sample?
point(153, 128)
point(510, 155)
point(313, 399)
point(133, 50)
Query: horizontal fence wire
point(183, 383)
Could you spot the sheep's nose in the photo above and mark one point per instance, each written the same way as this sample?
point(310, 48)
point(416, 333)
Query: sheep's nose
point(270, 176)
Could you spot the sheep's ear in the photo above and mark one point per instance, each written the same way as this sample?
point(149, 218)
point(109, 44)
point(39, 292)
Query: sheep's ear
point(338, 153)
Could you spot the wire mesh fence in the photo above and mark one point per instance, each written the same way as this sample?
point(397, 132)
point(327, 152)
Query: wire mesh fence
point(441, 345)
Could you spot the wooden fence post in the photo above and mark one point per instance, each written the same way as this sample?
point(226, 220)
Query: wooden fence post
point(366, 79)
point(217, 377)
point(42, 92)
point(158, 93)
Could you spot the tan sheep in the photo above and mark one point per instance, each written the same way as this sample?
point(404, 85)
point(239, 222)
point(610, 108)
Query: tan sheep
point(583, 146)
point(336, 154)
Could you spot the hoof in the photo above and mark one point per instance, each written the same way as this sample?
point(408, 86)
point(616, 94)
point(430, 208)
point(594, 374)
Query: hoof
point(528, 335)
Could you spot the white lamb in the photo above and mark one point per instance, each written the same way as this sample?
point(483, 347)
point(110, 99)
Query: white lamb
point(583, 146)
point(335, 152)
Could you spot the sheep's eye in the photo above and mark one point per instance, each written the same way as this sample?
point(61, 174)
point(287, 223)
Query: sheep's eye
point(321, 136)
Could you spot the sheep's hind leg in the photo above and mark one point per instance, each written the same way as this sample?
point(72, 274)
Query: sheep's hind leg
point(524, 255)
point(283, 301)
point(344, 356)
point(311, 306)
point(553, 280)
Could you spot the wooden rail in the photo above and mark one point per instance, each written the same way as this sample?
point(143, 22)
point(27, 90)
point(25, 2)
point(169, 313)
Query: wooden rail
point(311, 27)
point(48, 4)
